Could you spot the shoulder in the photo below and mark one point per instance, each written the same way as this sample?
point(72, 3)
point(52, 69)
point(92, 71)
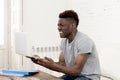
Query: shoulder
point(81, 37)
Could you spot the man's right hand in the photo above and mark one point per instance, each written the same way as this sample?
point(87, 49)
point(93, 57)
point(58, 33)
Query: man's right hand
point(36, 59)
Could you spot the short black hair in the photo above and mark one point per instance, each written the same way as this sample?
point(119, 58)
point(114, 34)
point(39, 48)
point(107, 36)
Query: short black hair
point(70, 14)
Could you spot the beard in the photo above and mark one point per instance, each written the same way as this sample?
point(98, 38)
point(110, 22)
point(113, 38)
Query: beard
point(64, 35)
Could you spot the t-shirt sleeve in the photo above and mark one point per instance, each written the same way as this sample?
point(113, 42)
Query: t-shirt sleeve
point(85, 46)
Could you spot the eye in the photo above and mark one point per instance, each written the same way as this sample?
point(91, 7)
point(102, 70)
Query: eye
point(60, 25)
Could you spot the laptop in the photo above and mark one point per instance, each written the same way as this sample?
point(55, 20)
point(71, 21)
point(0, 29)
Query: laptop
point(21, 44)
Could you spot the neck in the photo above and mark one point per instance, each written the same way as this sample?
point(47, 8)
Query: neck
point(72, 36)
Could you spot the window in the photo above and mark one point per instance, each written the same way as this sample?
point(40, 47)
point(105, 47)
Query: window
point(1, 22)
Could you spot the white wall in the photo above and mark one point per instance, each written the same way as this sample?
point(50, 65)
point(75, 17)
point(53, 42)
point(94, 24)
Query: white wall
point(1, 22)
point(98, 18)
point(40, 20)
point(2, 58)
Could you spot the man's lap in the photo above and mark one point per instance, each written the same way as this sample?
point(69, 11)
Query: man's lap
point(68, 77)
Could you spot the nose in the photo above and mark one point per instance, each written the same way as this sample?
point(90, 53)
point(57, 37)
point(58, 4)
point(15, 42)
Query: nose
point(59, 28)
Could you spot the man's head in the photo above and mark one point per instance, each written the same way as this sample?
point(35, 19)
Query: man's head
point(67, 24)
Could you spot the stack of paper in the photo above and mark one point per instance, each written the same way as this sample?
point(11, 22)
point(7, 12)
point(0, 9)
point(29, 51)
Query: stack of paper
point(19, 72)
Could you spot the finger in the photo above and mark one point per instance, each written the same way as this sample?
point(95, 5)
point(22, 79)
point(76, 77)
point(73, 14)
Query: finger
point(46, 58)
point(33, 59)
point(49, 59)
point(37, 61)
point(36, 56)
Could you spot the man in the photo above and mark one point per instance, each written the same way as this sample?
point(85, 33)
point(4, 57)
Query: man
point(78, 59)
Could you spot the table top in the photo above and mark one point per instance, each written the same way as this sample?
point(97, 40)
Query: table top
point(39, 76)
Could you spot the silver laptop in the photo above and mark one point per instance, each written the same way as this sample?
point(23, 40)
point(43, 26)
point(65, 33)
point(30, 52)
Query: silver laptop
point(21, 44)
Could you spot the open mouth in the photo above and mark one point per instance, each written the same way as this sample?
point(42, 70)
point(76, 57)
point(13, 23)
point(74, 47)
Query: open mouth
point(60, 32)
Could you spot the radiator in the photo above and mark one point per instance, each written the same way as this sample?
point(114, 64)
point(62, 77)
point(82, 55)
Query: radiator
point(49, 51)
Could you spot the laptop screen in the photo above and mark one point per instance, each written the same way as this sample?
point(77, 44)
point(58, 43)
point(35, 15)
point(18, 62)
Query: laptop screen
point(21, 45)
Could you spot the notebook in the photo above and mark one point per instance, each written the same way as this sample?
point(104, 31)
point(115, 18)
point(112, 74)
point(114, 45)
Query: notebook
point(21, 44)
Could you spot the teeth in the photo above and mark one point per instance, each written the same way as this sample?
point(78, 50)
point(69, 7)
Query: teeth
point(60, 32)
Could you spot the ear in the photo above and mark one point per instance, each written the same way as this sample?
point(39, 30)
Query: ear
point(73, 25)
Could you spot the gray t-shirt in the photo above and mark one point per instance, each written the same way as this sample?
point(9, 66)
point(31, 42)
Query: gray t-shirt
point(82, 44)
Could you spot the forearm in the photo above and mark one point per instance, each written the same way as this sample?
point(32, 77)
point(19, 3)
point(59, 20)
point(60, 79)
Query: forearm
point(59, 66)
point(60, 63)
point(73, 70)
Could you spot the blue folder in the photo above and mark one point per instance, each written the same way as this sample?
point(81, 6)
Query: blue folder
point(19, 72)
